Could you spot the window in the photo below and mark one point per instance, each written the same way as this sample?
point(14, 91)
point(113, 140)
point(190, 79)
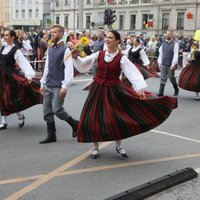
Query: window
point(146, 1)
point(36, 13)
point(66, 2)
point(132, 22)
point(66, 21)
point(57, 20)
point(144, 21)
point(30, 13)
point(121, 22)
point(57, 2)
point(147, 21)
point(180, 20)
point(77, 22)
point(17, 14)
point(165, 21)
point(134, 1)
point(88, 1)
point(87, 22)
point(23, 14)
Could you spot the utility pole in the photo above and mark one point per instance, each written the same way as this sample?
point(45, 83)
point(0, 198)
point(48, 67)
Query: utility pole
point(80, 26)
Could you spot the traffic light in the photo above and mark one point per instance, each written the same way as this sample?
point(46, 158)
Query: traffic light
point(112, 16)
point(109, 16)
point(106, 19)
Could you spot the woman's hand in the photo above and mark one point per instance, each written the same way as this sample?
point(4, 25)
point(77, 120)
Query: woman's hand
point(141, 94)
point(42, 90)
point(63, 92)
point(29, 80)
point(74, 53)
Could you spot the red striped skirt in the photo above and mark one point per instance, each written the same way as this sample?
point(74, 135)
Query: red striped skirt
point(189, 78)
point(16, 94)
point(116, 112)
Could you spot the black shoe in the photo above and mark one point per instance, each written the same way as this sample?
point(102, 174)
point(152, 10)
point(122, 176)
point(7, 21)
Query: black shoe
point(21, 124)
point(74, 129)
point(3, 126)
point(49, 140)
point(95, 153)
point(122, 152)
point(176, 92)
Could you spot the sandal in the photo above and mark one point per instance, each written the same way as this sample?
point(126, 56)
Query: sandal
point(95, 153)
point(122, 152)
point(21, 124)
point(3, 126)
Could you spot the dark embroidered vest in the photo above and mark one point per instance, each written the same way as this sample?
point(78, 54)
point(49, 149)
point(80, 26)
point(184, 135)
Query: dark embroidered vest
point(168, 53)
point(108, 72)
point(134, 57)
point(8, 61)
point(56, 66)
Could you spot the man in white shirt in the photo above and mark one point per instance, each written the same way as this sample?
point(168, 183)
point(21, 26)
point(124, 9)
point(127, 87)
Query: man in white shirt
point(167, 60)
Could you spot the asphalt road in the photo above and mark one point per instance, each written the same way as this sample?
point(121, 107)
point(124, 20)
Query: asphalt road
point(65, 171)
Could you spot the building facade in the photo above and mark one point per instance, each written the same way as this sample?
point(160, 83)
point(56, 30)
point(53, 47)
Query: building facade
point(28, 14)
point(135, 16)
point(5, 17)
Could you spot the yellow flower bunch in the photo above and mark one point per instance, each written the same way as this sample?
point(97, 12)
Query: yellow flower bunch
point(79, 46)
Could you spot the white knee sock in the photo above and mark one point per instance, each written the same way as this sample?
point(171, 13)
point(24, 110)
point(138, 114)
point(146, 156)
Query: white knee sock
point(118, 144)
point(4, 119)
point(20, 115)
point(96, 145)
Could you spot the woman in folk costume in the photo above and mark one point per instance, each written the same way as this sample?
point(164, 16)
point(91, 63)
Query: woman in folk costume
point(114, 111)
point(17, 92)
point(189, 78)
point(138, 57)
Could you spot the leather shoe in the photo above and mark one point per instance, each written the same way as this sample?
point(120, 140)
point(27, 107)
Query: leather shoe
point(95, 153)
point(122, 152)
point(48, 140)
point(21, 124)
point(3, 126)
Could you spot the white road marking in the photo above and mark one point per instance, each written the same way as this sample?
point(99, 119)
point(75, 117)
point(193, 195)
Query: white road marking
point(177, 136)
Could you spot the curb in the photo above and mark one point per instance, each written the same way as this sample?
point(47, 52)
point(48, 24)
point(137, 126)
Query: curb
point(158, 185)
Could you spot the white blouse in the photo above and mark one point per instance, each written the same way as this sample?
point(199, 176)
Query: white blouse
point(23, 63)
point(127, 67)
point(143, 55)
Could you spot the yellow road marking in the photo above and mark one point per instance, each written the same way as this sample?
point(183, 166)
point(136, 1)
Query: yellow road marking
point(51, 175)
point(101, 168)
point(19, 180)
point(143, 162)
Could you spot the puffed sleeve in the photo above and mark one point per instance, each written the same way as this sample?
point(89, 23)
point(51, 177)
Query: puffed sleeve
point(85, 64)
point(24, 65)
point(133, 74)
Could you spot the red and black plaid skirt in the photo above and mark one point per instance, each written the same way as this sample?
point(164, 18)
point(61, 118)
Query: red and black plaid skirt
point(116, 112)
point(16, 94)
point(189, 78)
